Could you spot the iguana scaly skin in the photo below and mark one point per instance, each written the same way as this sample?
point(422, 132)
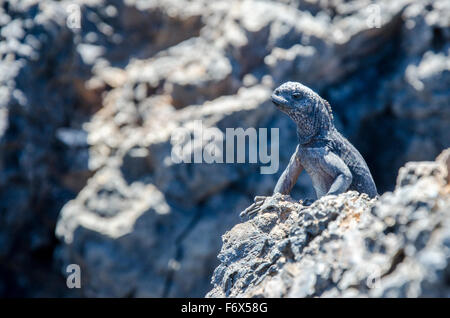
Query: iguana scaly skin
point(333, 164)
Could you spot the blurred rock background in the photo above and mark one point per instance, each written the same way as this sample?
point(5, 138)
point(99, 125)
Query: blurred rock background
point(86, 117)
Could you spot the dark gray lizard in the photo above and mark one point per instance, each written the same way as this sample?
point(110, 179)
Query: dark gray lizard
point(333, 164)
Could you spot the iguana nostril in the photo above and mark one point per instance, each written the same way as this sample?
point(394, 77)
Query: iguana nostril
point(277, 92)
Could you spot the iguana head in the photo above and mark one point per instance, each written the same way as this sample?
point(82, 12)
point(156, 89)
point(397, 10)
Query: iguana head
point(307, 109)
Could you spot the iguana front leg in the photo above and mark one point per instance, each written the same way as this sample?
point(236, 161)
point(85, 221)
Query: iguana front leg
point(290, 175)
point(337, 169)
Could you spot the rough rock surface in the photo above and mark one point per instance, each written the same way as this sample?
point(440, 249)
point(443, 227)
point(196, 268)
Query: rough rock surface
point(86, 118)
point(345, 246)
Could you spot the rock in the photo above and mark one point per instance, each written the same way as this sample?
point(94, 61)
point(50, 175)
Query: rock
point(34, 104)
point(346, 245)
point(108, 211)
point(191, 72)
point(103, 224)
point(48, 93)
point(79, 106)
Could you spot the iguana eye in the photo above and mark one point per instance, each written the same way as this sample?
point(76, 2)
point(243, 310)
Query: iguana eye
point(296, 95)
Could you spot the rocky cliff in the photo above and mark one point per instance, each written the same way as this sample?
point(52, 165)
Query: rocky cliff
point(87, 115)
point(397, 245)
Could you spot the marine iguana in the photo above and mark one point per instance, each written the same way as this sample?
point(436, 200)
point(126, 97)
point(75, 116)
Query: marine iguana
point(332, 162)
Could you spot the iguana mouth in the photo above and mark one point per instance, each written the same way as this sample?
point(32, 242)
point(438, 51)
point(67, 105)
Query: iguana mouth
point(279, 101)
